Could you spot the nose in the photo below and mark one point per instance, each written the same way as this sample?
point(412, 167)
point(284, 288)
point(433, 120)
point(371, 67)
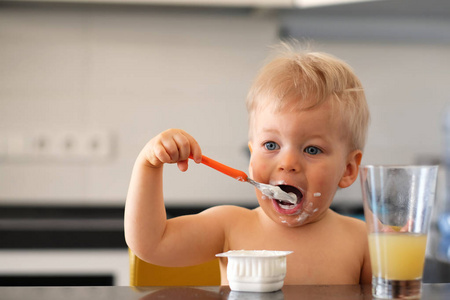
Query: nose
point(289, 162)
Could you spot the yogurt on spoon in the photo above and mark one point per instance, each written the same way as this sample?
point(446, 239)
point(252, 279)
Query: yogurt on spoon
point(274, 192)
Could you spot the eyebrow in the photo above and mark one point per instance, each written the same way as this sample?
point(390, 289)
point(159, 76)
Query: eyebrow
point(315, 136)
point(270, 130)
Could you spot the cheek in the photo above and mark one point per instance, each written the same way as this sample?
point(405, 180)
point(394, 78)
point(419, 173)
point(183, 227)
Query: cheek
point(322, 187)
point(257, 167)
point(320, 177)
point(327, 178)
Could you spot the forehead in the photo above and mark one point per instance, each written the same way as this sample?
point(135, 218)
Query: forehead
point(328, 106)
point(291, 102)
point(323, 119)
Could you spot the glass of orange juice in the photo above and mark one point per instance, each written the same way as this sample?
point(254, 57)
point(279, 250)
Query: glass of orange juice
point(398, 201)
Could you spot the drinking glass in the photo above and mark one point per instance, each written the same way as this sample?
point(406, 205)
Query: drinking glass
point(398, 201)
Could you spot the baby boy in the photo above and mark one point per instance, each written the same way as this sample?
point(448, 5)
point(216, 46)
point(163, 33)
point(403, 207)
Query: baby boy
point(308, 119)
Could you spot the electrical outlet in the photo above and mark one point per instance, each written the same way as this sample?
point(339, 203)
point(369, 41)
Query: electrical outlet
point(86, 146)
point(93, 145)
point(72, 145)
point(58, 146)
point(99, 144)
point(40, 145)
point(68, 144)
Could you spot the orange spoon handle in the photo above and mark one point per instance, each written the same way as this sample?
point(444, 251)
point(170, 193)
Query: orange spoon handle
point(236, 174)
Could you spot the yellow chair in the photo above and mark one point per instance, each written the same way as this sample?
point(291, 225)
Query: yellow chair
point(146, 274)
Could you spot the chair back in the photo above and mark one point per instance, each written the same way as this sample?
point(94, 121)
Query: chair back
point(146, 274)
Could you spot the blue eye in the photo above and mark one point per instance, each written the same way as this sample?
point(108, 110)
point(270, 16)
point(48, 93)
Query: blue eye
point(271, 146)
point(311, 150)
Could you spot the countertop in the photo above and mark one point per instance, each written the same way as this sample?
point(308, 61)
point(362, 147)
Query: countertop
point(348, 292)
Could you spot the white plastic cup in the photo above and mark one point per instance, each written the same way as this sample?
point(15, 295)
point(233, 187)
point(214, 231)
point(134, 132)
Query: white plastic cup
point(256, 270)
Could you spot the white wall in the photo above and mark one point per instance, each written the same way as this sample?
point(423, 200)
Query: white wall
point(405, 87)
point(134, 71)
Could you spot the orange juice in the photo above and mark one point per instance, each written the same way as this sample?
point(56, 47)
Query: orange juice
point(397, 256)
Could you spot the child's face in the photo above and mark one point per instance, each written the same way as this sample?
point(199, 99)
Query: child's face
point(304, 152)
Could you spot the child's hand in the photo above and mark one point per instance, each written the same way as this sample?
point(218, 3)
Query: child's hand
point(172, 146)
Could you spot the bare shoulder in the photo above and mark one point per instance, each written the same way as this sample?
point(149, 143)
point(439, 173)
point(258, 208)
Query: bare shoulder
point(356, 238)
point(350, 225)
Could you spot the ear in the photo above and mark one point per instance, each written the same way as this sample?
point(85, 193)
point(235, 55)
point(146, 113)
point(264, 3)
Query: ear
point(351, 169)
point(250, 147)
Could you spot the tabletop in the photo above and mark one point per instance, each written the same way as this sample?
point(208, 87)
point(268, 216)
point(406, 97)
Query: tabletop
point(439, 291)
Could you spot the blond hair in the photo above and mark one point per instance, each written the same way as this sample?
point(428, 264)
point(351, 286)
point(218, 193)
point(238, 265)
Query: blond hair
point(312, 78)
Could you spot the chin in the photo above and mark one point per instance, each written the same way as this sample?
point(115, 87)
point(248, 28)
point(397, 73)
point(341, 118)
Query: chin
point(295, 221)
point(303, 212)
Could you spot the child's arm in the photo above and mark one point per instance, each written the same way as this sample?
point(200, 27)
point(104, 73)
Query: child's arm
point(366, 271)
point(175, 242)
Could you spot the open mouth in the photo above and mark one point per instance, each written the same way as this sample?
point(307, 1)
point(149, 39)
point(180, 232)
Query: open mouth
point(289, 189)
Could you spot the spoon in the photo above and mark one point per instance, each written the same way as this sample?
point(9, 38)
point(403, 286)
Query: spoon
point(271, 191)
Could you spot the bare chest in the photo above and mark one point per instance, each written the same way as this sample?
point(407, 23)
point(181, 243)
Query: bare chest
point(317, 258)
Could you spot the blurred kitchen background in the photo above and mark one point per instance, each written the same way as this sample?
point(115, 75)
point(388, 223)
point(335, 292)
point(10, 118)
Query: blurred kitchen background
point(83, 87)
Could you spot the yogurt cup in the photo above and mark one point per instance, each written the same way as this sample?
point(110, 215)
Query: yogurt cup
point(255, 270)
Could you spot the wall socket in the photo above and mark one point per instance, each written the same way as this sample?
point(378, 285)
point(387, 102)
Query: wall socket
point(56, 146)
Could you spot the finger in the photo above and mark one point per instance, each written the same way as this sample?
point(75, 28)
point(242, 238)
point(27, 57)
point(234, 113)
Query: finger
point(182, 165)
point(159, 155)
point(195, 150)
point(171, 148)
point(187, 146)
point(182, 141)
